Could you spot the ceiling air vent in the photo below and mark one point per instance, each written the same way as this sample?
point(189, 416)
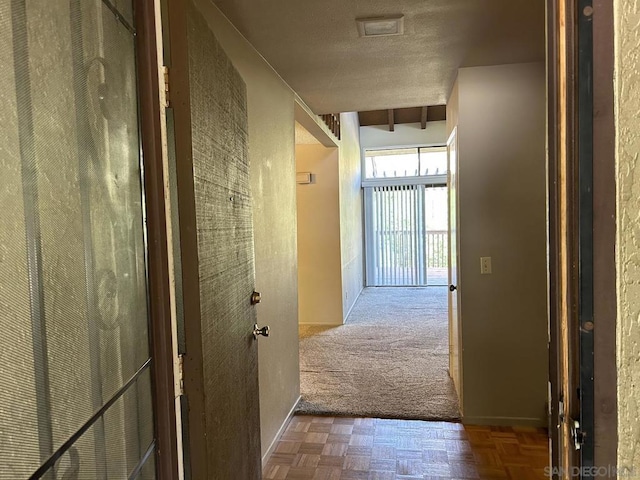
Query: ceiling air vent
point(381, 26)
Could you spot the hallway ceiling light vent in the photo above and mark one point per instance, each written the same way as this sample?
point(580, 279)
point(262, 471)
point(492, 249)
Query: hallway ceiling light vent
point(381, 26)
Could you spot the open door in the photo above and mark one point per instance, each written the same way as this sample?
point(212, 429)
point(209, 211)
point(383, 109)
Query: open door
point(208, 119)
point(581, 238)
point(567, 429)
point(455, 352)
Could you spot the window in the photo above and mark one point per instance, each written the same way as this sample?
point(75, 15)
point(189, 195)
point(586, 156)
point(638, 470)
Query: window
point(433, 161)
point(405, 162)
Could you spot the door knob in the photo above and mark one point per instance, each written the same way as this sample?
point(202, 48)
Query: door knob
point(255, 298)
point(264, 331)
point(452, 288)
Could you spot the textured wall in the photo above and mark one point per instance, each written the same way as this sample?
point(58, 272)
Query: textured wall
point(502, 214)
point(270, 105)
point(351, 239)
point(405, 134)
point(627, 98)
point(319, 261)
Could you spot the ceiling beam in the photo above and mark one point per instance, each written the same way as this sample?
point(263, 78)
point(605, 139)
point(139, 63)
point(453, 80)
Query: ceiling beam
point(391, 122)
point(406, 115)
point(423, 117)
point(435, 113)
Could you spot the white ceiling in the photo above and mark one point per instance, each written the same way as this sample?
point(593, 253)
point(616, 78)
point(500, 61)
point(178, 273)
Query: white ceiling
point(314, 45)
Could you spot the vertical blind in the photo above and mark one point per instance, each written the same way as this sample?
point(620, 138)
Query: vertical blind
point(400, 248)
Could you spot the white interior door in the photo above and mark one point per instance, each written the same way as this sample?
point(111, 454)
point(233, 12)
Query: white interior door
point(455, 350)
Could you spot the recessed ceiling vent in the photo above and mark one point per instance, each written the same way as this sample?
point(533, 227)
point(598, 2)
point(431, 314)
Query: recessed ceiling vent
point(381, 26)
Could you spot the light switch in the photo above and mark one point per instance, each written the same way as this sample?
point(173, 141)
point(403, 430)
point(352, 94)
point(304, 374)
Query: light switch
point(485, 265)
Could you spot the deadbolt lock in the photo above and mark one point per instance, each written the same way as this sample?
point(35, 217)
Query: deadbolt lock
point(255, 298)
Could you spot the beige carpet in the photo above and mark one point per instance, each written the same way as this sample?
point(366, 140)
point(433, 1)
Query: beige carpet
point(389, 360)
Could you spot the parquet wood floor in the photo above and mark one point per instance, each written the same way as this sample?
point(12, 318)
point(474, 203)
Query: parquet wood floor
point(336, 448)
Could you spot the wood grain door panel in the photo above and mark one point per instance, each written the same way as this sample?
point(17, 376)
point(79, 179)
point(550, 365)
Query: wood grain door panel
point(225, 256)
point(221, 429)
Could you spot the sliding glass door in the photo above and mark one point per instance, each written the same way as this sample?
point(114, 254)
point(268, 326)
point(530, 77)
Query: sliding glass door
point(405, 200)
point(406, 235)
point(75, 383)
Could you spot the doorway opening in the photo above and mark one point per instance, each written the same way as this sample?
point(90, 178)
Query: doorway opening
point(318, 231)
point(399, 321)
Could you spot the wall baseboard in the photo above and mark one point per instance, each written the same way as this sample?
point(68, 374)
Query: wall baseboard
point(352, 305)
point(281, 430)
point(308, 324)
point(506, 421)
point(315, 324)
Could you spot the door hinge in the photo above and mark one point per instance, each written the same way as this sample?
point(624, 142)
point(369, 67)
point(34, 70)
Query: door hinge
point(167, 90)
point(577, 434)
point(180, 374)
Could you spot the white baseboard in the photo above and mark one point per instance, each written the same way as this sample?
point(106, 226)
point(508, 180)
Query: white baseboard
point(505, 421)
point(306, 324)
point(352, 305)
point(315, 324)
point(281, 430)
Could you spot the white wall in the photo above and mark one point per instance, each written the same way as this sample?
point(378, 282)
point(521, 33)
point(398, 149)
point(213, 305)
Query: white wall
point(627, 105)
point(502, 201)
point(319, 258)
point(452, 109)
point(272, 157)
point(351, 220)
point(405, 135)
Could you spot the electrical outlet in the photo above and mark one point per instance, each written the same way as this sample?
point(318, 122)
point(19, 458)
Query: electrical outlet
point(485, 265)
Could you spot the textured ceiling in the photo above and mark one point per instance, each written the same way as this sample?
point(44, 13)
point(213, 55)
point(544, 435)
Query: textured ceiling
point(314, 45)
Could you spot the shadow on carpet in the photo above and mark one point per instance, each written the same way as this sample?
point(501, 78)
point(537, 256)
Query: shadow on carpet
point(390, 359)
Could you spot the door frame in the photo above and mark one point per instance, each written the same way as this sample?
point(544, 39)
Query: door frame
point(160, 328)
point(565, 121)
point(563, 197)
point(421, 186)
point(604, 236)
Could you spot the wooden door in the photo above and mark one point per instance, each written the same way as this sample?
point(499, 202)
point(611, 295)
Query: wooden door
point(208, 101)
point(455, 363)
point(563, 274)
point(582, 237)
